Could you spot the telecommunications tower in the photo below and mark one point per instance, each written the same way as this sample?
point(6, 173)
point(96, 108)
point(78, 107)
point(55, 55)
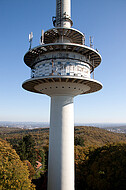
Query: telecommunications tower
point(61, 68)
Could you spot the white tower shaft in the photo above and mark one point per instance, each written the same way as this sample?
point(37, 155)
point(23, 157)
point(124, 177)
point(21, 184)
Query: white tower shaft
point(63, 13)
point(61, 144)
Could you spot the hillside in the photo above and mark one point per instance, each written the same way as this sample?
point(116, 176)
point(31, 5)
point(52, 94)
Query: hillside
point(97, 136)
point(89, 135)
point(91, 144)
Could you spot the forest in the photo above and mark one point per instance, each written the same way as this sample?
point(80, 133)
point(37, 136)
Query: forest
point(100, 159)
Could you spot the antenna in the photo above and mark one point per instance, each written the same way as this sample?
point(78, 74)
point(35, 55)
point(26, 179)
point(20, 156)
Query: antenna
point(30, 39)
point(63, 14)
point(93, 68)
point(42, 37)
point(83, 39)
point(91, 41)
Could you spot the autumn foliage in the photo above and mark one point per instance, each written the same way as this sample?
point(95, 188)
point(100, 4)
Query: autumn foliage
point(100, 159)
point(13, 173)
point(30, 168)
point(103, 168)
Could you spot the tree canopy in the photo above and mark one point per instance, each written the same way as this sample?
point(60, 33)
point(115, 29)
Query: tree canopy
point(103, 168)
point(13, 173)
point(25, 148)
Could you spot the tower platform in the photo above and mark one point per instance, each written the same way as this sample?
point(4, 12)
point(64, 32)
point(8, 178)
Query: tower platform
point(62, 85)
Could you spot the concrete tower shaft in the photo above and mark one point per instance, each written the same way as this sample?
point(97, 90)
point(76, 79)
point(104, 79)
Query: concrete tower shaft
point(63, 13)
point(61, 144)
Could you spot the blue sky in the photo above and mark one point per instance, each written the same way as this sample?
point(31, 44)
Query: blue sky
point(104, 20)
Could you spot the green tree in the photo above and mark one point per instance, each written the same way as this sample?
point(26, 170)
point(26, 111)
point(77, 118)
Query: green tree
point(13, 173)
point(79, 141)
point(26, 149)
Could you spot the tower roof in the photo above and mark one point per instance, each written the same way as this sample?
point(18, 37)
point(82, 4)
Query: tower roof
point(74, 35)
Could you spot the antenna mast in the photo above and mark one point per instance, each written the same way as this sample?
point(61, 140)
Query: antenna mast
point(30, 39)
point(42, 37)
point(91, 41)
point(63, 14)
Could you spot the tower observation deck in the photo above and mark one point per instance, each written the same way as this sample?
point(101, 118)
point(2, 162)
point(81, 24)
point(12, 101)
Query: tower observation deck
point(61, 68)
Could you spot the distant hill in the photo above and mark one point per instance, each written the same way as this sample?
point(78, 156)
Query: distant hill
point(89, 135)
point(97, 136)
